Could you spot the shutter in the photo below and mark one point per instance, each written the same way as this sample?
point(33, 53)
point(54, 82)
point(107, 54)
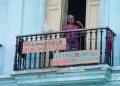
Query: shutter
point(53, 14)
point(56, 13)
point(92, 20)
point(92, 13)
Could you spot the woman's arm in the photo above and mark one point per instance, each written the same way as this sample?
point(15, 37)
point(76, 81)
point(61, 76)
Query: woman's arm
point(79, 23)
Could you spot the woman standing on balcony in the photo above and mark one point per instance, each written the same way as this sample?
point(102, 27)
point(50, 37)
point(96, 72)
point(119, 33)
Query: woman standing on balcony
point(72, 37)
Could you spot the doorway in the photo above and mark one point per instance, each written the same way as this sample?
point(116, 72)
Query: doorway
point(78, 9)
point(87, 11)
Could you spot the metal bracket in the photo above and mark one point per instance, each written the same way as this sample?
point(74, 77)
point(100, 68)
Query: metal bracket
point(0, 45)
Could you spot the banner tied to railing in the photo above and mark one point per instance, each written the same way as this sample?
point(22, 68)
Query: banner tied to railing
point(44, 45)
point(76, 57)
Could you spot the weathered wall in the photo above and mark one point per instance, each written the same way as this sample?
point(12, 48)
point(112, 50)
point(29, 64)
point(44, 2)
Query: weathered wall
point(110, 16)
point(17, 17)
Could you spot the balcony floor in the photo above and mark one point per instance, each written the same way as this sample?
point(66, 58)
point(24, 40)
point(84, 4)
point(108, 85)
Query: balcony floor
point(94, 75)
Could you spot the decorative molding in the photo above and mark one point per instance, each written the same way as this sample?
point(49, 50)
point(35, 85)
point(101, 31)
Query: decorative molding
point(67, 75)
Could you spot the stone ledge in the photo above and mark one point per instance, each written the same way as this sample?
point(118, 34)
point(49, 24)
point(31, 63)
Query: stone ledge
point(65, 69)
point(5, 76)
point(80, 74)
point(116, 68)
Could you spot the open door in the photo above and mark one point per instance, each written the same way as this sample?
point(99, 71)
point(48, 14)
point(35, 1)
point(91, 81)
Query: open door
point(64, 13)
point(92, 20)
point(88, 13)
point(87, 10)
point(92, 13)
point(56, 11)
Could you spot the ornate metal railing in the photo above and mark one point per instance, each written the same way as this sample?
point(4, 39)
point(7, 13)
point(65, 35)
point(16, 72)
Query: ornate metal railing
point(101, 39)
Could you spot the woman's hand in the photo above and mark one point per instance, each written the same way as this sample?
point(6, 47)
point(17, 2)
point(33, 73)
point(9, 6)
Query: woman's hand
point(79, 23)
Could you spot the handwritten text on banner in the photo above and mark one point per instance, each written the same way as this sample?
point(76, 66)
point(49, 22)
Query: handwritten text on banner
point(76, 57)
point(44, 45)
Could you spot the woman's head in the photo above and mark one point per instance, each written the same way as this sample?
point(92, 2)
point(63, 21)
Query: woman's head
point(71, 19)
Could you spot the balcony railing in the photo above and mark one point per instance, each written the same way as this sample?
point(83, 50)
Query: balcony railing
point(36, 51)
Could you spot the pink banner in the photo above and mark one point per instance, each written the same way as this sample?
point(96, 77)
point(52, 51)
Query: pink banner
point(44, 45)
point(76, 57)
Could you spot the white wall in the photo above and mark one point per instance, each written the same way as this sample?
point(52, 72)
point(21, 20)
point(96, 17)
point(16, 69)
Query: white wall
point(17, 17)
point(114, 23)
point(13, 28)
point(110, 16)
point(3, 22)
point(32, 16)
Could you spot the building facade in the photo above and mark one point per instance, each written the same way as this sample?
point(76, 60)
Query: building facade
point(23, 20)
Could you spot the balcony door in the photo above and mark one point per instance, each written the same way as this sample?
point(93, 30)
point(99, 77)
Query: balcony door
point(92, 21)
point(56, 12)
point(92, 13)
point(87, 11)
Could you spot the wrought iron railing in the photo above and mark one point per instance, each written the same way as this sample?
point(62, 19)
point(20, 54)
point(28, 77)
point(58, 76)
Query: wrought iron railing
point(101, 39)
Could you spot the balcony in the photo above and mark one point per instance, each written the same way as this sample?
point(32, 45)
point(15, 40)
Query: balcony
point(65, 49)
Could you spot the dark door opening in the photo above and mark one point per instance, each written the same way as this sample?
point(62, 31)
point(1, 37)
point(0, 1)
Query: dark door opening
point(78, 9)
